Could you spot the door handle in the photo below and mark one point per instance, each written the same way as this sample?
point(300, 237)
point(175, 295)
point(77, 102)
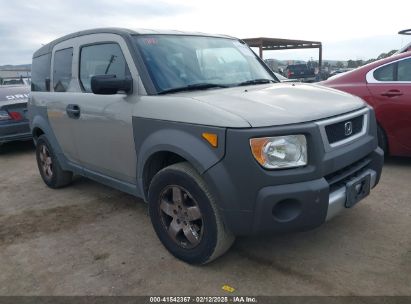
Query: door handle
point(73, 111)
point(392, 93)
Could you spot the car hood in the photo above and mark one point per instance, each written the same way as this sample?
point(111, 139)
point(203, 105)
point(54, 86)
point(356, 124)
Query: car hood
point(280, 103)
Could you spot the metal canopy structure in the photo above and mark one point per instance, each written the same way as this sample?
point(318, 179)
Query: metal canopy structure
point(273, 44)
point(405, 32)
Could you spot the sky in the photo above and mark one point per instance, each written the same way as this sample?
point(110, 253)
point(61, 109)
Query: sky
point(348, 29)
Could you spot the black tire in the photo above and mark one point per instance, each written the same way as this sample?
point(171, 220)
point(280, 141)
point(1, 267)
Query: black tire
point(382, 140)
point(58, 177)
point(212, 236)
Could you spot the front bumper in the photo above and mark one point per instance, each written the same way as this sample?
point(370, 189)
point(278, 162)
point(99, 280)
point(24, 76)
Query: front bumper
point(307, 205)
point(338, 198)
point(14, 131)
point(254, 200)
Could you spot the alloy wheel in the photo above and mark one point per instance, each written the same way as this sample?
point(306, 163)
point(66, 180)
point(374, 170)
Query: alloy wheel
point(181, 216)
point(46, 162)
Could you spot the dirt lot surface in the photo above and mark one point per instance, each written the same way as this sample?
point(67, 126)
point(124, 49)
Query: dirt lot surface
point(88, 239)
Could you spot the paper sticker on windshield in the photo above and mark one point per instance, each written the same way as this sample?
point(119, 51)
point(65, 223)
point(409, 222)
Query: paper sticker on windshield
point(244, 49)
point(150, 41)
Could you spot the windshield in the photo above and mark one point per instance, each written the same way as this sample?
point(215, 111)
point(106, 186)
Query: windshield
point(199, 62)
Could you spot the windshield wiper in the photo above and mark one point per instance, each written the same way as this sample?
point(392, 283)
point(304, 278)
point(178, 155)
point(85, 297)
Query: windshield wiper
point(256, 81)
point(192, 87)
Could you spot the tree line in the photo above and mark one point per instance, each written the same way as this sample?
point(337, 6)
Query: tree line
point(358, 63)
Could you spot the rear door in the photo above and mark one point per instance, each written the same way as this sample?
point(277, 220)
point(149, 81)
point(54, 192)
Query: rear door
point(390, 86)
point(59, 99)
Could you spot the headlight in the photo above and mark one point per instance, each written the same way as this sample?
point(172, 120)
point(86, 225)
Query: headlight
point(280, 151)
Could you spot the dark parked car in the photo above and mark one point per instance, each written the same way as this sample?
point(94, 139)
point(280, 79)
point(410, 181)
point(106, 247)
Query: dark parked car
point(13, 108)
point(339, 71)
point(281, 78)
point(386, 85)
point(302, 72)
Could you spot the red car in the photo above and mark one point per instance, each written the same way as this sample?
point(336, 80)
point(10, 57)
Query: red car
point(386, 86)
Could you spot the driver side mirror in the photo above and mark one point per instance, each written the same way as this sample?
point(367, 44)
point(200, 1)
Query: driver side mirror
point(110, 84)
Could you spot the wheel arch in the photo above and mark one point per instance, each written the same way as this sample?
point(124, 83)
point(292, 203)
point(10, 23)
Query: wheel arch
point(40, 125)
point(36, 132)
point(156, 162)
point(160, 143)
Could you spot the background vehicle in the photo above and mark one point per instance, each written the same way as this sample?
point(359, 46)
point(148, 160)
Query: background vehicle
point(14, 124)
point(281, 78)
point(386, 85)
point(16, 81)
point(339, 71)
point(302, 72)
point(198, 127)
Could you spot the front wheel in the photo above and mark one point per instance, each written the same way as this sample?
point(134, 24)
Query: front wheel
point(185, 216)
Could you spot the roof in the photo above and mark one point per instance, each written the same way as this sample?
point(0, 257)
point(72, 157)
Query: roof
point(279, 44)
point(122, 32)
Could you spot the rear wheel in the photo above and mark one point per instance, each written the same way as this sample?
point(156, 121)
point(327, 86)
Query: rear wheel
point(185, 216)
point(49, 166)
point(382, 140)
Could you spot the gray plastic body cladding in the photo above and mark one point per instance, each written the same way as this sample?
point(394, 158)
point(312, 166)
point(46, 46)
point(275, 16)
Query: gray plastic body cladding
point(152, 136)
point(39, 119)
point(238, 179)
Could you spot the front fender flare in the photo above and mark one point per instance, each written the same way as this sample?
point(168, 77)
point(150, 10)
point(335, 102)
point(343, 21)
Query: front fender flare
point(152, 136)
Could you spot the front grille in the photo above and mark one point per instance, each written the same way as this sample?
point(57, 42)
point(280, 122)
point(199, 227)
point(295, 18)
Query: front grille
point(344, 129)
point(340, 177)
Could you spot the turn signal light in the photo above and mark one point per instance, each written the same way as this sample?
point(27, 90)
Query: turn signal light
point(211, 138)
point(257, 147)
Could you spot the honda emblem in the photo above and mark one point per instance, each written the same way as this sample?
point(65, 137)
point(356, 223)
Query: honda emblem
point(348, 128)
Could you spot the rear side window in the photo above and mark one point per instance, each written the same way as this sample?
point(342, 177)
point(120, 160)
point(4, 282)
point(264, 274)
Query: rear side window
point(404, 70)
point(40, 73)
point(385, 73)
point(62, 69)
point(101, 59)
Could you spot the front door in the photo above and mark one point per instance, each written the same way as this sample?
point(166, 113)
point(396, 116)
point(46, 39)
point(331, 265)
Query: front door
point(103, 132)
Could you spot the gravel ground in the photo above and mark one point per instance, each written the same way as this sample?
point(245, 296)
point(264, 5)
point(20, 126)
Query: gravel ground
point(88, 239)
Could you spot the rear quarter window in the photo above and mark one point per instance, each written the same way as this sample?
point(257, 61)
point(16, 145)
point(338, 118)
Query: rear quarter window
point(385, 73)
point(404, 70)
point(40, 73)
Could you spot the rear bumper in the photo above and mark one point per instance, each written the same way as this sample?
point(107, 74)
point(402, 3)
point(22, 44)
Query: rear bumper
point(15, 131)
